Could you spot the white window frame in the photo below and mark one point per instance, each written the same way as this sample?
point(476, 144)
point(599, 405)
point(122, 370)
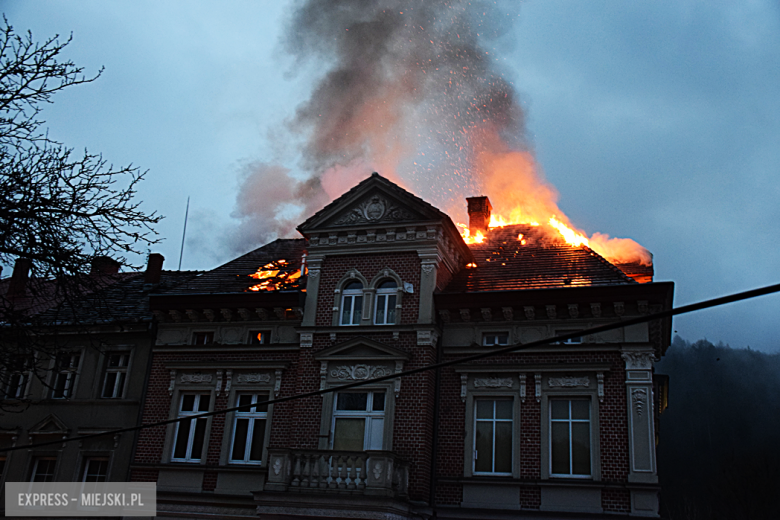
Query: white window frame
point(495, 335)
point(69, 373)
point(351, 296)
point(120, 380)
point(17, 388)
point(569, 421)
point(367, 414)
point(208, 335)
point(36, 467)
point(387, 294)
point(494, 420)
point(251, 415)
point(189, 455)
point(88, 462)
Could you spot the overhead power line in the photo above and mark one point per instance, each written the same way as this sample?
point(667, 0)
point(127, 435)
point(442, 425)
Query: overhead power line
point(706, 304)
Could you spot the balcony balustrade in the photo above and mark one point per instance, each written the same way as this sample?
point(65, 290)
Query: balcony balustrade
point(371, 472)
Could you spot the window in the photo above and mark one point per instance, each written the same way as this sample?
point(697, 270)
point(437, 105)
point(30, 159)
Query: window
point(571, 341)
point(95, 469)
point(352, 304)
point(359, 421)
point(493, 436)
point(203, 338)
point(570, 438)
point(386, 296)
point(43, 469)
point(249, 429)
point(490, 339)
point(16, 380)
point(65, 378)
point(116, 373)
point(190, 434)
point(259, 337)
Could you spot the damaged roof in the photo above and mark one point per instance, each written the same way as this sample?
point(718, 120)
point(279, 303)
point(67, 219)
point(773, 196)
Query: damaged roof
point(234, 276)
point(504, 263)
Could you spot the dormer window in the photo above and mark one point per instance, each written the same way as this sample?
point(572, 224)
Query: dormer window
point(386, 296)
point(351, 304)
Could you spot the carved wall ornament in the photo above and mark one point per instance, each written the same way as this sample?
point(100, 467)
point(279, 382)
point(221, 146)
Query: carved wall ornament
point(219, 381)
point(261, 313)
point(277, 466)
point(639, 398)
point(228, 381)
point(277, 382)
point(465, 315)
point(374, 209)
point(487, 314)
point(642, 306)
point(196, 378)
point(209, 314)
point(574, 310)
point(508, 314)
point(529, 312)
point(538, 387)
point(551, 311)
point(493, 382)
point(638, 360)
point(427, 269)
point(173, 382)
point(307, 339)
point(620, 308)
point(253, 378)
point(464, 386)
point(192, 314)
point(444, 314)
point(377, 471)
point(568, 382)
point(245, 314)
point(359, 372)
point(175, 315)
point(314, 273)
point(323, 375)
point(595, 310)
point(399, 367)
point(600, 378)
point(227, 314)
point(522, 387)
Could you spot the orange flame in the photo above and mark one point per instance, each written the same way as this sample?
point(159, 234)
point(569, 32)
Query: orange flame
point(275, 277)
point(518, 190)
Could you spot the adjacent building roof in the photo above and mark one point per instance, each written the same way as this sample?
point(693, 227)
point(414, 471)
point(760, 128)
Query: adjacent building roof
point(235, 276)
point(504, 262)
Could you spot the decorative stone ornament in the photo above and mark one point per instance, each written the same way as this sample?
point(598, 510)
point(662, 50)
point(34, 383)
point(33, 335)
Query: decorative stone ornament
point(568, 382)
point(359, 372)
point(493, 382)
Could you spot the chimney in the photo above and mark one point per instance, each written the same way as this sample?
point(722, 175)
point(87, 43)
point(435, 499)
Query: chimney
point(154, 268)
point(102, 265)
point(479, 214)
point(17, 287)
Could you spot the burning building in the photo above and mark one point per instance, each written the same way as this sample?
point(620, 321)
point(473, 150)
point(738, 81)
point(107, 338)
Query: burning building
point(383, 282)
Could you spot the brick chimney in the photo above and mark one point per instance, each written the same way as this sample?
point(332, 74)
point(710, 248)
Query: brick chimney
point(102, 265)
point(479, 214)
point(154, 268)
point(17, 287)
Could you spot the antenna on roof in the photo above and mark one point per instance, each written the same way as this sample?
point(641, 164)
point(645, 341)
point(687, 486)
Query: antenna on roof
point(184, 233)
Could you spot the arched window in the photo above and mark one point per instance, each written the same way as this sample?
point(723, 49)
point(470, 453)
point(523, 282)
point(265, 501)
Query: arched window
point(351, 304)
point(386, 296)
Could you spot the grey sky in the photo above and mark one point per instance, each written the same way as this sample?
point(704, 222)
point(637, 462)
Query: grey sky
point(658, 121)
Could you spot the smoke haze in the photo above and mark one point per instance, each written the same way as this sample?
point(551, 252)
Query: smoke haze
point(410, 90)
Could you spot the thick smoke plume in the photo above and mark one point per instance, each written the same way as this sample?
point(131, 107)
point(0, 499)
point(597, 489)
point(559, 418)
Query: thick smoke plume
point(411, 90)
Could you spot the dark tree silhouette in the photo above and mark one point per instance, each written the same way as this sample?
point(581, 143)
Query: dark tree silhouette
point(719, 451)
point(60, 212)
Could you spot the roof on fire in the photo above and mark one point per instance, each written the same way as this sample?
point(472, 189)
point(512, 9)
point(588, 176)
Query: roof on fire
point(504, 263)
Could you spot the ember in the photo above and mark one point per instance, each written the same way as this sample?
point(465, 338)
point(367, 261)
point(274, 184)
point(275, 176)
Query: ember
point(276, 276)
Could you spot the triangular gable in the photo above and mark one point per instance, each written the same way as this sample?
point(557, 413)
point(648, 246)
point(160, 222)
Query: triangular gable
point(50, 424)
point(361, 348)
point(375, 201)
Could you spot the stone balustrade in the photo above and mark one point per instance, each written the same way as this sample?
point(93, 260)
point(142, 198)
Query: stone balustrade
point(371, 472)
